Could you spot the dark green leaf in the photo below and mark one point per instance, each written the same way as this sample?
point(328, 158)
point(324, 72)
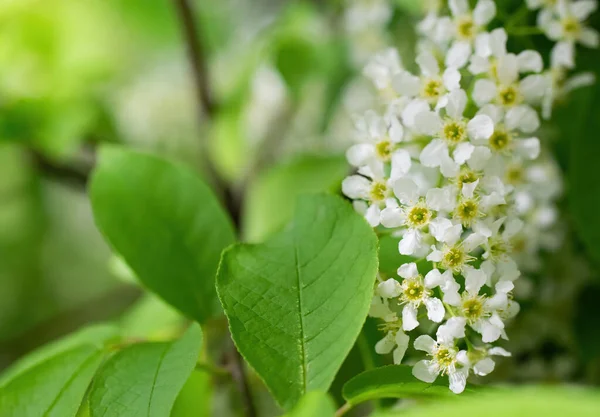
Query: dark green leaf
point(144, 380)
point(296, 303)
point(165, 223)
point(393, 381)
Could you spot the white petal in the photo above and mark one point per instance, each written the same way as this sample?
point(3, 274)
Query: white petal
point(480, 127)
point(428, 122)
point(463, 152)
point(406, 190)
point(434, 153)
point(408, 270)
point(360, 154)
point(406, 84)
point(392, 217)
point(411, 110)
point(356, 186)
point(530, 61)
point(438, 228)
point(411, 241)
point(458, 381)
point(448, 167)
point(435, 255)
point(434, 278)
point(423, 371)
point(508, 69)
point(474, 279)
point(435, 309)
point(533, 87)
point(483, 49)
point(396, 131)
point(389, 288)
point(409, 318)
point(440, 199)
point(563, 55)
point(402, 341)
point(478, 65)
point(457, 101)
point(479, 158)
point(589, 37)
point(451, 79)
point(373, 215)
point(428, 64)
point(489, 332)
point(484, 12)
point(458, 7)
point(528, 148)
point(458, 55)
point(582, 9)
point(472, 241)
point(401, 164)
point(484, 91)
point(450, 289)
point(498, 351)
point(468, 189)
point(454, 328)
point(425, 343)
point(498, 38)
point(523, 118)
point(385, 345)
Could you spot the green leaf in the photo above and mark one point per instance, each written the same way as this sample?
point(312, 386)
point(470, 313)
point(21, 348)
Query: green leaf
point(393, 381)
point(195, 398)
point(523, 401)
point(96, 335)
point(145, 379)
point(271, 197)
point(296, 303)
point(313, 404)
point(165, 223)
point(52, 388)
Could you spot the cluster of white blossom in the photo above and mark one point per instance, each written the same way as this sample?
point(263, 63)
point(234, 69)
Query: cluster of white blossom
point(449, 166)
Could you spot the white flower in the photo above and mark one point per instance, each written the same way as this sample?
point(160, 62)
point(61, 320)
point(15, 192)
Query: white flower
point(432, 84)
point(382, 68)
point(413, 292)
point(396, 341)
point(446, 359)
point(379, 137)
point(462, 28)
point(451, 133)
point(566, 24)
point(486, 365)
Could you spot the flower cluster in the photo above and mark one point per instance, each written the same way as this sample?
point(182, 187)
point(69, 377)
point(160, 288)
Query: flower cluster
point(447, 165)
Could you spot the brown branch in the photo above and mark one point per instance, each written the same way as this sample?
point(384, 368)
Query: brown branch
point(197, 56)
point(75, 172)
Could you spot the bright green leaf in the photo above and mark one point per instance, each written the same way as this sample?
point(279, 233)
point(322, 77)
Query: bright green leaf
point(195, 398)
point(96, 335)
point(514, 402)
point(165, 223)
point(393, 381)
point(271, 197)
point(145, 379)
point(296, 303)
point(52, 388)
point(313, 404)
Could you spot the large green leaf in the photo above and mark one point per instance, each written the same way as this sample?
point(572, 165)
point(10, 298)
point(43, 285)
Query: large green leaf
point(296, 303)
point(313, 404)
point(96, 336)
point(145, 379)
point(165, 223)
point(271, 197)
point(54, 387)
point(393, 381)
point(514, 402)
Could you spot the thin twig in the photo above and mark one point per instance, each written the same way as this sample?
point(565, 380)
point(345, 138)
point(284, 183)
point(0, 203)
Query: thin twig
point(238, 373)
point(75, 173)
point(197, 56)
point(343, 410)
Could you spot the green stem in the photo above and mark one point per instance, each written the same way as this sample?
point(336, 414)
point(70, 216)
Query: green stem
point(525, 31)
point(343, 410)
point(212, 369)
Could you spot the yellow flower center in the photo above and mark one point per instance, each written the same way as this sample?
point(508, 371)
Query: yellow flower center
point(466, 176)
point(465, 28)
point(515, 174)
point(444, 357)
point(571, 27)
point(379, 191)
point(413, 290)
point(472, 308)
point(454, 132)
point(500, 140)
point(418, 216)
point(432, 89)
point(454, 258)
point(384, 149)
point(499, 248)
point(467, 211)
point(509, 96)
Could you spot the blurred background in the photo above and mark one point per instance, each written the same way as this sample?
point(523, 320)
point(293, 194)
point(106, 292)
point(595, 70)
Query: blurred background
point(286, 80)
